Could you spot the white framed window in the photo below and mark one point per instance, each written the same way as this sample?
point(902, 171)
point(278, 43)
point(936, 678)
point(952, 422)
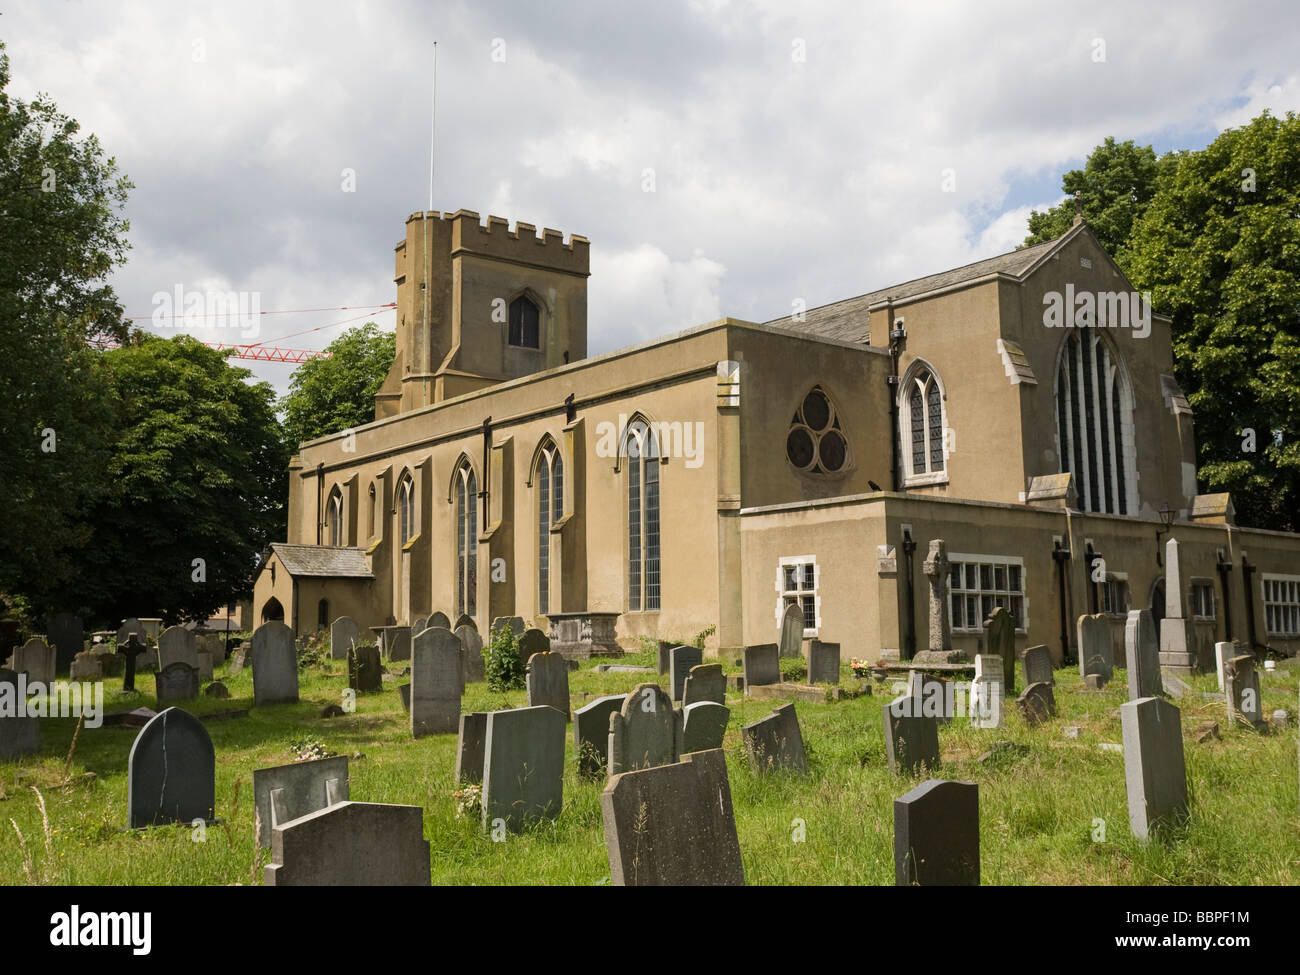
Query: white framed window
point(1281, 605)
point(977, 584)
point(922, 427)
point(1114, 595)
point(797, 581)
point(1202, 599)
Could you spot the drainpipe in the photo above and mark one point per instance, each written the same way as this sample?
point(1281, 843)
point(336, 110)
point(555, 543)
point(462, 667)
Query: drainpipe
point(1061, 556)
point(487, 460)
point(1248, 570)
point(1224, 568)
point(896, 337)
point(909, 640)
point(320, 500)
point(1091, 557)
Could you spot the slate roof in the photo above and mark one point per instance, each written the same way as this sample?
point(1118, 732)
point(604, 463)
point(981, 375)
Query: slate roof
point(323, 561)
point(850, 320)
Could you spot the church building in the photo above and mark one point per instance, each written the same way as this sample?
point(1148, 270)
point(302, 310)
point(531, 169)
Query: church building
point(1023, 409)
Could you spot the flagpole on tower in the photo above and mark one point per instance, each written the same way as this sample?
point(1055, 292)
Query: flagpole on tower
point(428, 257)
point(433, 125)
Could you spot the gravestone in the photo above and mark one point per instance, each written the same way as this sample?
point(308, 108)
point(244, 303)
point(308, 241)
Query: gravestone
point(287, 792)
point(464, 619)
point(1178, 645)
point(205, 665)
point(275, 664)
point(523, 766)
point(344, 634)
point(1037, 665)
point(37, 660)
point(1037, 703)
point(1001, 642)
point(216, 689)
point(171, 772)
point(176, 682)
point(472, 663)
point(1155, 773)
point(911, 739)
point(1095, 653)
point(531, 642)
point(86, 666)
point(471, 738)
point(351, 844)
point(1241, 688)
point(680, 662)
point(775, 743)
point(439, 619)
point(514, 623)
point(1223, 652)
point(762, 665)
point(929, 696)
point(19, 735)
point(591, 734)
point(1143, 653)
point(129, 626)
point(673, 825)
point(791, 643)
point(365, 672)
point(547, 681)
point(937, 835)
point(705, 682)
point(435, 683)
point(399, 643)
point(130, 650)
point(419, 625)
point(645, 731)
point(935, 568)
point(703, 726)
point(239, 659)
point(823, 662)
point(177, 645)
point(987, 692)
point(66, 634)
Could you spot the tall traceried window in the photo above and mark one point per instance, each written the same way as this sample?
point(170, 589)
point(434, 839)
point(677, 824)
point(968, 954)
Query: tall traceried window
point(466, 486)
point(406, 525)
point(922, 426)
point(549, 480)
point(643, 567)
point(334, 518)
point(524, 323)
point(1093, 410)
point(371, 510)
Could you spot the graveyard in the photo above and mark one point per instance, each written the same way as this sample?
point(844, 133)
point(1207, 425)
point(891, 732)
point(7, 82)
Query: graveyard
point(1051, 798)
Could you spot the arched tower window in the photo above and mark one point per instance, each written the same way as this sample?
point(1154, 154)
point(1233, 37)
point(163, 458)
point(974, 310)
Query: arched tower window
point(643, 569)
point(548, 476)
point(406, 515)
point(1093, 422)
point(334, 518)
point(466, 488)
point(524, 318)
point(921, 426)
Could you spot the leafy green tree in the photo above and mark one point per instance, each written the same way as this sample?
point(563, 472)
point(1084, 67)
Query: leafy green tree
point(199, 471)
point(60, 235)
point(1218, 247)
point(337, 392)
point(1113, 188)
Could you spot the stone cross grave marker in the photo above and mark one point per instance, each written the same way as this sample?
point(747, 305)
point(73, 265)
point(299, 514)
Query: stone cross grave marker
point(523, 766)
point(937, 835)
point(287, 792)
point(129, 650)
point(1155, 772)
point(171, 772)
point(935, 568)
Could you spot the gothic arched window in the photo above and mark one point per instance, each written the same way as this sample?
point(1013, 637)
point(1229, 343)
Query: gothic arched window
point(524, 318)
point(549, 479)
point(406, 524)
point(466, 486)
point(643, 568)
point(921, 423)
point(334, 518)
point(1093, 422)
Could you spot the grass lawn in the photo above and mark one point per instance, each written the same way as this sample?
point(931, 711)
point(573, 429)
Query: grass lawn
point(1039, 810)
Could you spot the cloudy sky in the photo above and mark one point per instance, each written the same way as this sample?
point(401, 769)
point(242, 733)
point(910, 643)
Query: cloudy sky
point(798, 150)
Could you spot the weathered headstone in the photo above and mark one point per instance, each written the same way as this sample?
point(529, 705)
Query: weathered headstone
point(935, 568)
point(762, 665)
point(86, 666)
point(19, 735)
point(176, 682)
point(523, 766)
point(471, 654)
point(791, 642)
point(775, 743)
point(680, 661)
point(1223, 652)
point(703, 726)
point(1155, 772)
point(287, 792)
point(216, 689)
point(591, 734)
point(1037, 665)
point(205, 665)
point(365, 672)
point(419, 625)
point(439, 619)
point(470, 740)
point(705, 682)
point(1178, 645)
point(911, 739)
point(1095, 653)
point(1037, 703)
point(937, 835)
point(37, 660)
point(531, 642)
point(435, 683)
point(177, 645)
point(645, 731)
point(987, 692)
point(171, 771)
point(673, 825)
point(464, 619)
point(66, 634)
point(513, 623)
point(1241, 688)
point(129, 626)
point(929, 696)
point(1143, 653)
point(344, 634)
point(351, 844)
point(1001, 637)
point(547, 681)
point(132, 648)
point(665, 649)
point(823, 662)
point(275, 664)
point(399, 643)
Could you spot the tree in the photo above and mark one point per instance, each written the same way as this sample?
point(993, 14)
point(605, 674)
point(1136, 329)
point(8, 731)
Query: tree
point(337, 392)
point(60, 236)
point(1218, 247)
point(199, 471)
point(1114, 187)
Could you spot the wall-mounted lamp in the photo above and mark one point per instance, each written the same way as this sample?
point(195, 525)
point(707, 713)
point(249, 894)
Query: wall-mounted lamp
point(1166, 519)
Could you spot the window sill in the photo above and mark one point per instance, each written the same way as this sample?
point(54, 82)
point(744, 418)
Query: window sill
point(925, 480)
